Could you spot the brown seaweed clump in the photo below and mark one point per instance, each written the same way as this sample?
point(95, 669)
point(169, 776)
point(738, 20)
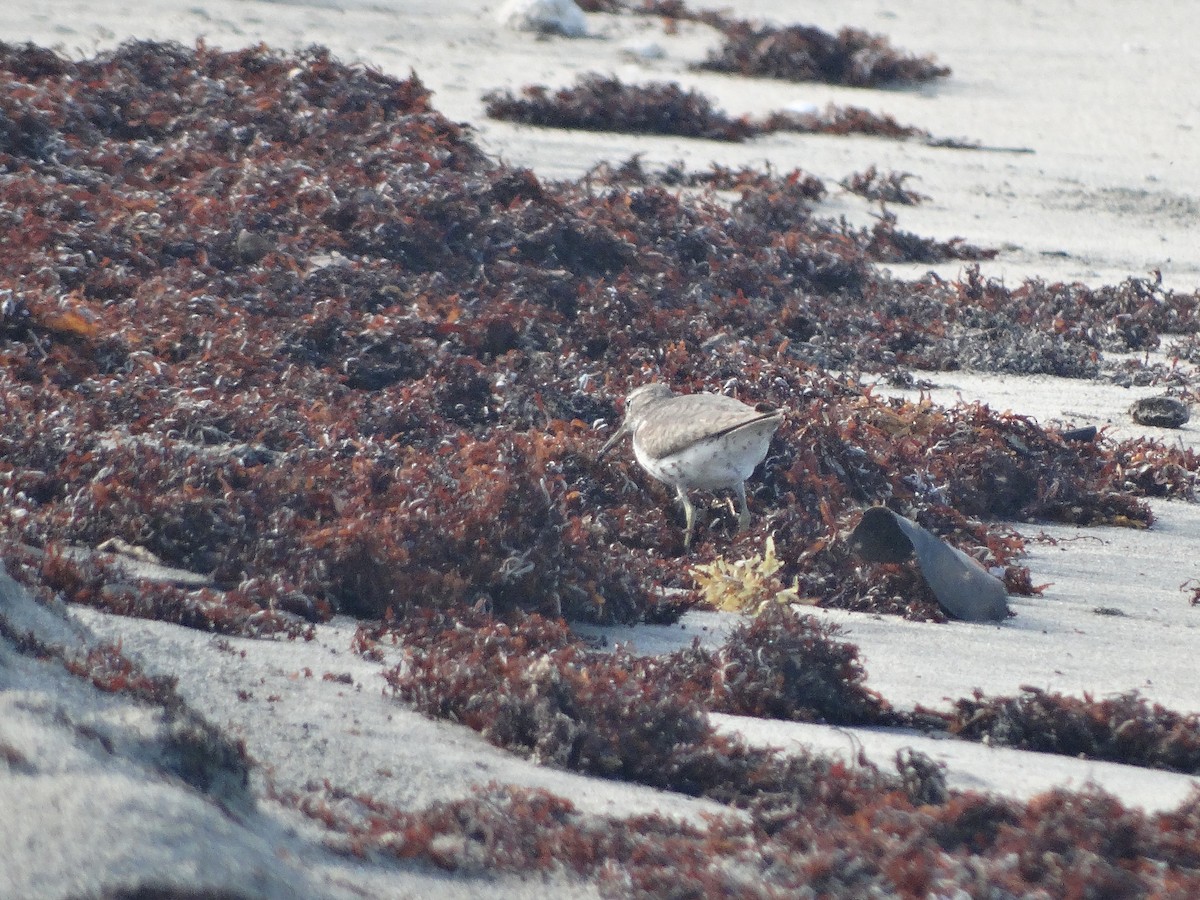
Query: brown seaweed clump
point(1059, 844)
point(1150, 468)
point(852, 57)
point(841, 120)
point(605, 103)
point(534, 688)
point(1126, 729)
point(886, 188)
point(782, 665)
point(272, 319)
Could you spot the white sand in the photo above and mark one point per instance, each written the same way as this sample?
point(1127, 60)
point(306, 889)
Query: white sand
point(1102, 93)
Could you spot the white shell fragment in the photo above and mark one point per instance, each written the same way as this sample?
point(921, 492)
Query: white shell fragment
point(643, 50)
point(544, 16)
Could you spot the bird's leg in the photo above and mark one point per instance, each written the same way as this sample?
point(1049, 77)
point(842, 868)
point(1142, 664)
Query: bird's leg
point(689, 517)
point(743, 509)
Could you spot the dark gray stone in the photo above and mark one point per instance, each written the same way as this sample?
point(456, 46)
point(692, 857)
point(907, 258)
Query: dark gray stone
point(1161, 412)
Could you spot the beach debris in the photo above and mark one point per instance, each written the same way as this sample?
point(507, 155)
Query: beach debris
point(962, 586)
point(745, 585)
point(1160, 412)
point(562, 17)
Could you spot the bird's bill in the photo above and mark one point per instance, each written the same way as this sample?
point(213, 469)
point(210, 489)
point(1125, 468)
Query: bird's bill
point(616, 436)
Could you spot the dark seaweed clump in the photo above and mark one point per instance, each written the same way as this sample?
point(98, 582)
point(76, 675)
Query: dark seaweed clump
point(812, 822)
point(272, 319)
point(781, 665)
point(1151, 468)
point(605, 103)
point(889, 188)
point(533, 687)
point(852, 57)
point(849, 833)
point(1125, 729)
point(843, 120)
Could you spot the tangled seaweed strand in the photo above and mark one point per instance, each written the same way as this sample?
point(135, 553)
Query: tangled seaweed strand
point(889, 188)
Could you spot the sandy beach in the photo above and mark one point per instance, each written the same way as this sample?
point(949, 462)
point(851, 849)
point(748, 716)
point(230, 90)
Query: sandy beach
point(1090, 174)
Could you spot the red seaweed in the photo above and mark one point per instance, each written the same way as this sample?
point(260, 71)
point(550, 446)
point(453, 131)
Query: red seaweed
point(272, 319)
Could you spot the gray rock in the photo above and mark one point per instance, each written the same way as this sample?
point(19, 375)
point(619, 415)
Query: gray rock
point(1161, 412)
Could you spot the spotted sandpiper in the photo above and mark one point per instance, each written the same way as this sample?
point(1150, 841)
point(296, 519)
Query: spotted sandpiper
point(704, 441)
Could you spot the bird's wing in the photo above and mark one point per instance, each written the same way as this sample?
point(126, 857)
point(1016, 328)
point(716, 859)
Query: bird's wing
point(679, 422)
